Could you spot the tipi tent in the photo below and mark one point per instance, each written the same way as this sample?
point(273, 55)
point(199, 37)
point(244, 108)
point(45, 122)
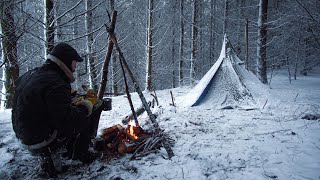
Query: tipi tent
point(225, 83)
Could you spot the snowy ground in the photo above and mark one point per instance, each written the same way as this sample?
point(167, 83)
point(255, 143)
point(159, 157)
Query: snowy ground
point(271, 142)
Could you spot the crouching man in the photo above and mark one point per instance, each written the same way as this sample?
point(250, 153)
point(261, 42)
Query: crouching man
point(43, 116)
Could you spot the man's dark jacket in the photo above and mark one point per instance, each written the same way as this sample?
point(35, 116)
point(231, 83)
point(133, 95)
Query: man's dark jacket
point(42, 104)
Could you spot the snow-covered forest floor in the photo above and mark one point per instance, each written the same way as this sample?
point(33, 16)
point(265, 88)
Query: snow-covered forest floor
point(269, 142)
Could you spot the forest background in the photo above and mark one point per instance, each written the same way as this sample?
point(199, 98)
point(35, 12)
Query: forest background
point(167, 43)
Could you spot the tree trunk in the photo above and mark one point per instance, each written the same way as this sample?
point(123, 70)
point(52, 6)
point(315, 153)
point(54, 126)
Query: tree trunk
point(305, 62)
point(213, 4)
point(49, 26)
point(150, 31)
point(194, 45)
point(247, 44)
point(75, 30)
point(174, 10)
point(240, 22)
point(89, 38)
point(181, 44)
point(58, 22)
point(262, 42)
point(114, 79)
point(9, 53)
point(289, 69)
point(200, 30)
point(225, 17)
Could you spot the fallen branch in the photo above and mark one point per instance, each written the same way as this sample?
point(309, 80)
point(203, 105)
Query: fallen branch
point(154, 95)
point(282, 130)
point(296, 97)
point(265, 104)
point(172, 99)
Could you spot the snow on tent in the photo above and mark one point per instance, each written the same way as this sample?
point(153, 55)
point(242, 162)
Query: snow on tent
point(225, 84)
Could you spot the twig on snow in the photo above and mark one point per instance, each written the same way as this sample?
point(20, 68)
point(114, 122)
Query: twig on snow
point(265, 104)
point(282, 130)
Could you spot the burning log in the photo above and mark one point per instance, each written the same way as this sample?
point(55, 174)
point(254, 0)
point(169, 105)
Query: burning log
point(118, 138)
point(132, 139)
point(126, 147)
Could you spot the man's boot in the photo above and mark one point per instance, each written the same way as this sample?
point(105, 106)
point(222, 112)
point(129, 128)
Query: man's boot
point(47, 166)
point(87, 157)
point(77, 149)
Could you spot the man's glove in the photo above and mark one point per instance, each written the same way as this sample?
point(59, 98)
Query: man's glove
point(91, 96)
point(89, 100)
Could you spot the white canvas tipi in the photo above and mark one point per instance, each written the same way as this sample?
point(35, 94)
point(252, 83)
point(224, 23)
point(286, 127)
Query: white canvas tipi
point(224, 84)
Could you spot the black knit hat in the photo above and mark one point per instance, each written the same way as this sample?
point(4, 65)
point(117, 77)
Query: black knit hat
point(65, 53)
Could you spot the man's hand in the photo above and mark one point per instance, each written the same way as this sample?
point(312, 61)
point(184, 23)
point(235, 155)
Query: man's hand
point(86, 103)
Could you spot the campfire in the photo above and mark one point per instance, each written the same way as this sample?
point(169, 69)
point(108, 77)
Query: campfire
point(131, 139)
point(132, 130)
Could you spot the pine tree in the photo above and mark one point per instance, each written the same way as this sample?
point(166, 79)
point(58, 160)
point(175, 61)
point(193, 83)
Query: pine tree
point(49, 25)
point(194, 44)
point(89, 39)
point(149, 49)
point(262, 42)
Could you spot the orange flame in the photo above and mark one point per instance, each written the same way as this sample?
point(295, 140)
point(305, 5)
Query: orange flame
point(130, 129)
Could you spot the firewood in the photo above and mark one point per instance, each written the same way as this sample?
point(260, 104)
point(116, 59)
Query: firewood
point(172, 99)
point(146, 153)
point(122, 148)
point(137, 150)
point(151, 144)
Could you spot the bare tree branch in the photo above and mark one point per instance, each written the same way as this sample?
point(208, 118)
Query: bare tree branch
point(81, 14)
point(315, 37)
point(2, 63)
point(63, 14)
point(30, 16)
point(85, 34)
point(308, 12)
